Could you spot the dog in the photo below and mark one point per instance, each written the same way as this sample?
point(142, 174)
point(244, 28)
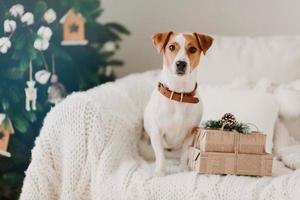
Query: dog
point(175, 108)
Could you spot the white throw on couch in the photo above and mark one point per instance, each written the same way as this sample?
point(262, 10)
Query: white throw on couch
point(88, 146)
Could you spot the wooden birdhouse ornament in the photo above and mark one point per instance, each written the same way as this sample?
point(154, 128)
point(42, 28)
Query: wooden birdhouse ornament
point(73, 28)
point(6, 129)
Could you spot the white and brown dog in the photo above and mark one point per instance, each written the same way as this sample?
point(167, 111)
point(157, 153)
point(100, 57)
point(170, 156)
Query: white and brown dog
point(174, 108)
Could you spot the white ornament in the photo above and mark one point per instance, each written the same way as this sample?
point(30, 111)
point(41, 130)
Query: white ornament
point(5, 44)
point(42, 76)
point(9, 26)
point(41, 44)
point(50, 16)
point(31, 95)
point(109, 46)
point(45, 32)
point(16, 10)
point(56, 91)
point(28, 18)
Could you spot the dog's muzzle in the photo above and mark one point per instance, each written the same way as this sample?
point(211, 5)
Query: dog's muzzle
point(180, 67)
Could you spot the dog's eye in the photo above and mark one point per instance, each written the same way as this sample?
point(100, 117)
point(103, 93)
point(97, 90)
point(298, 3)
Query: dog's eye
point(172, 47)
point(192, 49)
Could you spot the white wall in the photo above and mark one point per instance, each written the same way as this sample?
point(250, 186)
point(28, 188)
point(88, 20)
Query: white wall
point(230, 17)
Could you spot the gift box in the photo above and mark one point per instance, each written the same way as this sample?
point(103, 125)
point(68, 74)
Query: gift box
point(230, 163)
point(227, 152)
point(214, 140)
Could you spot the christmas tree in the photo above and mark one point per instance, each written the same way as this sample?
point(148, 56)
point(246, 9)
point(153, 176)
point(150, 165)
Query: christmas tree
point(31, 35)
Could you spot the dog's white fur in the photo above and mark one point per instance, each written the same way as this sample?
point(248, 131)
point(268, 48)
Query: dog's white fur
point(169, 123)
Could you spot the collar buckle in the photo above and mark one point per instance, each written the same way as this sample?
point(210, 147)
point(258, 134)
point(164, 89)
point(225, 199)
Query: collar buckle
point(171, 96)
point(181, 96)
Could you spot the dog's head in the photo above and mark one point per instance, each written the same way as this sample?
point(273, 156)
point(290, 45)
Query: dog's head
point(181, 51)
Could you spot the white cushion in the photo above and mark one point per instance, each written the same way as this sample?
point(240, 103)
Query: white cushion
point(276, 58)
point(248, 106)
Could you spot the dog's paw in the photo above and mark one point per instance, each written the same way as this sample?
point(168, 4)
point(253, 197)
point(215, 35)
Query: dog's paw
point(195, 130)
point(159, 173)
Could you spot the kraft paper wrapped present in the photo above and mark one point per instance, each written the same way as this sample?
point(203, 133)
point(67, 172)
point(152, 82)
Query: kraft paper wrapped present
point(214, 140)
point(230, 163)
point(234, 162)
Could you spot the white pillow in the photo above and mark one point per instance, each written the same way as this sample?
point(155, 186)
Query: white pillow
point(248, 106)
point(276, 58)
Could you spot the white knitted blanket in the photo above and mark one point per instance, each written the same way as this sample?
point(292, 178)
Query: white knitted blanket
point(87, 149)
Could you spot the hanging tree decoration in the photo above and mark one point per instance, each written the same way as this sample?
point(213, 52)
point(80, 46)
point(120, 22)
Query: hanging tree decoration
point(49, 16)
point(6, 129)
point(30, 91)
point(73, 28)
point(5, 43)
point(41, 44)
point(42, 76)
point(56, 90)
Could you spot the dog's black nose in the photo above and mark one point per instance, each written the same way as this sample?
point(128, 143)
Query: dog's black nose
point(181, 65)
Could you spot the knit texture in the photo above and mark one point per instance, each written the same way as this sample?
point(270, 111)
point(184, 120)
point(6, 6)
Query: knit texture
point(87, 149)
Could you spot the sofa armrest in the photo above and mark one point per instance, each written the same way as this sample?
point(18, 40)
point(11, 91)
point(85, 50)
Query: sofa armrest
point(77, 132)
point(61, 150)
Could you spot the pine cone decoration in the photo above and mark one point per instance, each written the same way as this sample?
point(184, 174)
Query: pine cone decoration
point(228, 121)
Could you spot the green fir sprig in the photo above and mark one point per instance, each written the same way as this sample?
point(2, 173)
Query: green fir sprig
point(217, 124)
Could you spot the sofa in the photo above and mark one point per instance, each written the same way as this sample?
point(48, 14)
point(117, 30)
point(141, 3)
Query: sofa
point(89, 146)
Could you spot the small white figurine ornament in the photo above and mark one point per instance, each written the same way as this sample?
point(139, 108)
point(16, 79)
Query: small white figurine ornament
point(30, 91)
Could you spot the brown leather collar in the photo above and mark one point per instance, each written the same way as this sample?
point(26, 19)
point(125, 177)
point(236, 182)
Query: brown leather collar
point(184, 97)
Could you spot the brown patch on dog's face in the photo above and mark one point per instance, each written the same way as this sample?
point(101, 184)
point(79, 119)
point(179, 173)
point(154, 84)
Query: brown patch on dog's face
point(165, 44)
point(192, 50)
point(204, 41)
point(170, 52)
point(160, 40)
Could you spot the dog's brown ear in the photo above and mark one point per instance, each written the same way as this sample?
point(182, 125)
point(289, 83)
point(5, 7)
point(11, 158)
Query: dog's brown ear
point(204, 41)
point(160, 40)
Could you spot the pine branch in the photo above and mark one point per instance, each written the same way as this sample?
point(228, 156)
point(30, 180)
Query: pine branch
point(217, 124)
point(212, 124)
